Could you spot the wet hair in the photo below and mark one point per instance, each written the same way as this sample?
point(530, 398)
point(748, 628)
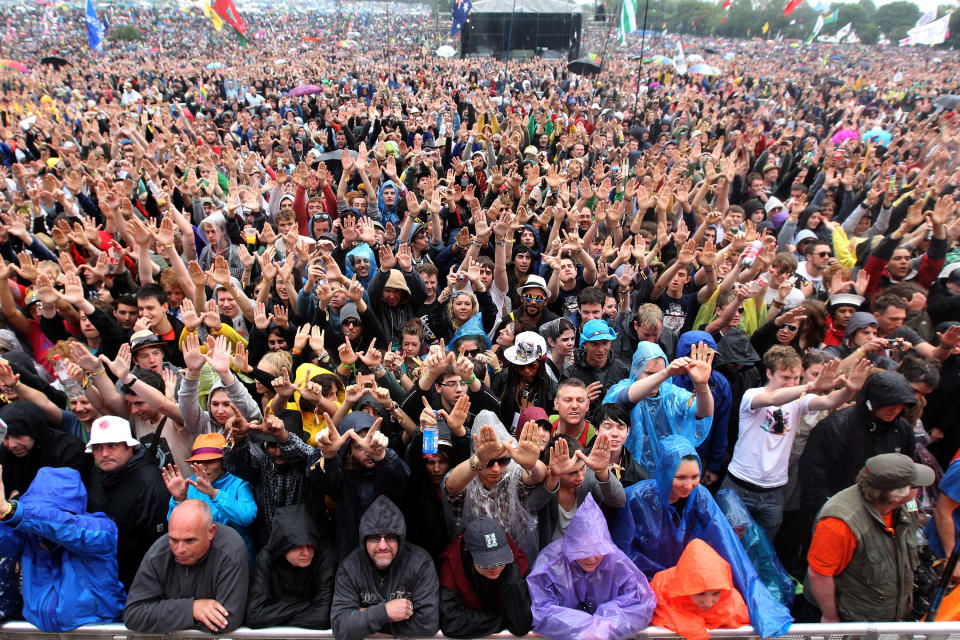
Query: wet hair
point(781, 356)
point(591, 295)
point(572, 443)
point(151, 290)
point(919, 371)
point(886, 300)
point(813, 357)
point(611, 411)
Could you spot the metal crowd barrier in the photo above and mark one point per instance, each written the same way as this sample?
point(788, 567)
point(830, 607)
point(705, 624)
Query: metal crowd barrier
point(839, 631)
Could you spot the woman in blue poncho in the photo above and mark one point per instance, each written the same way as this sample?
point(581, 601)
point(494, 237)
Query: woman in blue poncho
point(662, 515)
point(659, 408)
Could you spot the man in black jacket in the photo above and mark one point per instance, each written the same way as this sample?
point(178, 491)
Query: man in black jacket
point(127, 486)
point(387, 585)
point(292, 582)
point(482, 586)
point(841, 443)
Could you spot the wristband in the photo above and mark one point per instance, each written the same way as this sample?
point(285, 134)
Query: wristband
point(11, 509)
point(475, 467)
point(98, 372)
point(473, 378)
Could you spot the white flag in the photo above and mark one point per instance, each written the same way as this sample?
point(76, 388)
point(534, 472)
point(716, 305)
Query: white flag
point(843, 32)
point(628, 19)
point(680, 60)
point(931, 33)
point(927, 18)
point(817, 28)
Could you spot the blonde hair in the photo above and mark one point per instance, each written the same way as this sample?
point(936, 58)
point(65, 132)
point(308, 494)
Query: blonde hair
point(475, 307)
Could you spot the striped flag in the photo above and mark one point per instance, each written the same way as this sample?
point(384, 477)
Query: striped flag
point(628, 19)
point(831, 17)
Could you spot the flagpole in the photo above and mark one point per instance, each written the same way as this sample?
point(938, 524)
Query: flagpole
point(506, 57)
point(603, 52)
point(643, 40)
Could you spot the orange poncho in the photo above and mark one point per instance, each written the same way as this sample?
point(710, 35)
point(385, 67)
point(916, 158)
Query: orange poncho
point(699, 569)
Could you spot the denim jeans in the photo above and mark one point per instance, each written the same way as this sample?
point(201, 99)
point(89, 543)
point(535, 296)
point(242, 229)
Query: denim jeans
point(766, 507)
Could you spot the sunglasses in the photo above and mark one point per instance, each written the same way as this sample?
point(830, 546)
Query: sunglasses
point(351, 322)
point(472, 353)
point(792, 328)
point(532, 298)
point(824, 254)
point(503, 462)
point(779, 426)
point(389, 539)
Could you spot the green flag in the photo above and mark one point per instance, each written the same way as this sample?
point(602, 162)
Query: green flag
point(628, 19)
point(831, 17)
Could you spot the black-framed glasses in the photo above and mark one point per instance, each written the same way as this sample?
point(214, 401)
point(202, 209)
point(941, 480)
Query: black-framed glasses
point(825, 254)
point(385, 537)
point(351, 322)
point(453, 384)
point(472, 353)
point(504, 461)
point(779, 426)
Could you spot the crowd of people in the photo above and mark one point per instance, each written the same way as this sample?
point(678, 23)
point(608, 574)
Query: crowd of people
point(467, 346)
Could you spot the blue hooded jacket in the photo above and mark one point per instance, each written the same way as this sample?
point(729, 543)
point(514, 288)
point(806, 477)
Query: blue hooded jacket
point(362, 250)
point(612, 601)
point(73, 581)
point(389, 215)
point(714, 448)
point(653, 534)
point(672, 411)
point(758, 546)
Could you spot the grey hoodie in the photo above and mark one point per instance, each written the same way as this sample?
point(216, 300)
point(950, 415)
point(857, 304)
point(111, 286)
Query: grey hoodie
point(361, 591)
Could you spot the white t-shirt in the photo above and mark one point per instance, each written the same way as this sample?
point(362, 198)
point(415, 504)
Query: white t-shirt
point(762, 456)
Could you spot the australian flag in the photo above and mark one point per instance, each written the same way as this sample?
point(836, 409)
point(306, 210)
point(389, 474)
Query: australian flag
point(95, 28)
point(461, 11)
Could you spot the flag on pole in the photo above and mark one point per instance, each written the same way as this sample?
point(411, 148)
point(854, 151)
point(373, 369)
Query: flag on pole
point(724, 19)
point(927, 18)
point(680, 60)
point(211, 15)
point(725, 5)
point(461, 11)
point(94, 28)
point(817, 28)
point(844, 31)
point(831, 17)
point(628, 19)
point(766, 27)
point(793, 4)
point(228, 11)
point(935, 32)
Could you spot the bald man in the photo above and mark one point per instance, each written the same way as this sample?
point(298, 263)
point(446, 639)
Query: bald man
point(195, 577)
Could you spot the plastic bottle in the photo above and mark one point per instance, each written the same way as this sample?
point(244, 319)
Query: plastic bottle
point(430, 434)
point(70, 386)
point(752, 252)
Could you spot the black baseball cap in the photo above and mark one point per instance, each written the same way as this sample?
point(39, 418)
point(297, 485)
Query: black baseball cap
point(487, 543)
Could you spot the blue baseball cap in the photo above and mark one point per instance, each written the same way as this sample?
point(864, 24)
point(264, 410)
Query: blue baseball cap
point(596, 330)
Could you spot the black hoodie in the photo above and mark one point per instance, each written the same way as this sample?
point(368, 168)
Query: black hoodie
point(137, 500)
point(51, 448)
point(288, 596)
point(842, 442)
point(362, 591)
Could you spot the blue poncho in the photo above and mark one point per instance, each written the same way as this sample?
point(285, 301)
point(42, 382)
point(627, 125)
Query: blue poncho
point(653, 533)
point(673, 411)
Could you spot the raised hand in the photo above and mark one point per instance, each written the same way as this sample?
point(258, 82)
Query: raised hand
point(373, 442)
point(560, 461)
point(80, 355)
point(176, 483)
point(192, 356)
point(201, 481)
point(527, 449)
point(347, 355)
point(372, 357)
point(701, 363)
point(282, 384)
point(219, 357)
point(120, 366)
point(237, 425)
point(486, 445)
point(599, 456)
